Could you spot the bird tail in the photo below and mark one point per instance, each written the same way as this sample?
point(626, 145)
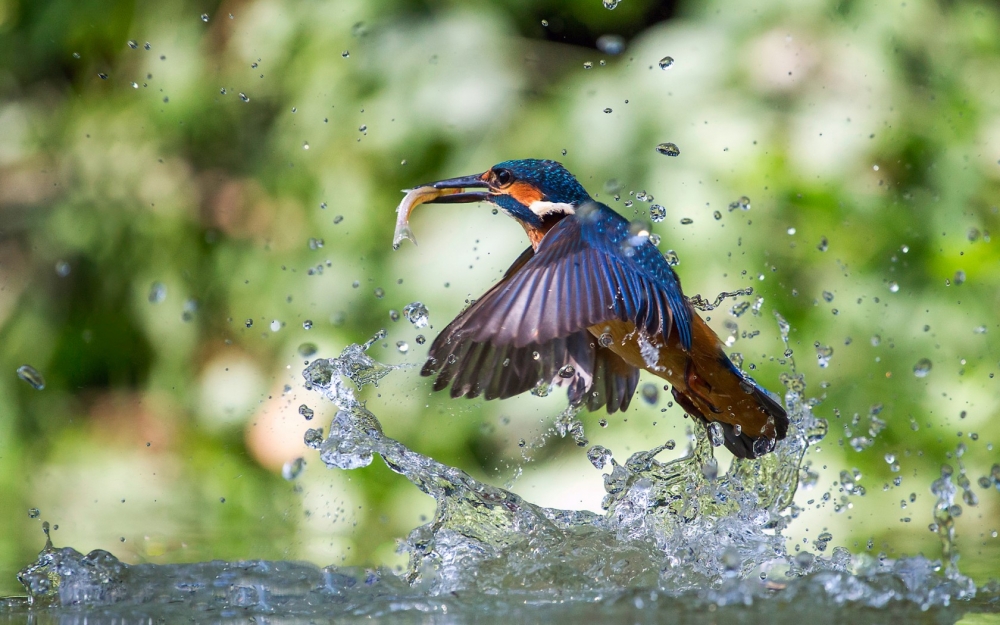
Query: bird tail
point(705, 405)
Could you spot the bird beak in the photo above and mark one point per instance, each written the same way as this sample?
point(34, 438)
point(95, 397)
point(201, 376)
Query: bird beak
point(474, 181)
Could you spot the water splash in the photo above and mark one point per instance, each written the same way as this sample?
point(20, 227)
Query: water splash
point(678, 534)
point(678, 526)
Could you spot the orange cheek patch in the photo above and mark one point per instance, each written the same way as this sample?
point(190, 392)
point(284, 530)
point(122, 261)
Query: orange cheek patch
point(524, 193)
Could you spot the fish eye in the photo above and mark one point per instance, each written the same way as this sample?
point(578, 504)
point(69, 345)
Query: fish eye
point(503, 177)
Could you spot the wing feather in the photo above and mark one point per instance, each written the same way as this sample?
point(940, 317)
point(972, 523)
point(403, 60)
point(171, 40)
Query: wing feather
point(584, 272)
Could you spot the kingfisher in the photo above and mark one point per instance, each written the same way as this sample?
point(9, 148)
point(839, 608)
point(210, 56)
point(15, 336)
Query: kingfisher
point(587, 305)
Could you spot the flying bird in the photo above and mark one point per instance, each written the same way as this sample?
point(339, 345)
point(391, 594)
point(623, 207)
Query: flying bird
point(586, 306)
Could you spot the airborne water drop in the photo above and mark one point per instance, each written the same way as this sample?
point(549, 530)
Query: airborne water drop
point(668, 149)
point(31, 375)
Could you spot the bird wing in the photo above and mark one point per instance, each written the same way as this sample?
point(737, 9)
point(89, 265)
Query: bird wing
point(587, 269)
point(594, 374)
point(532, 326)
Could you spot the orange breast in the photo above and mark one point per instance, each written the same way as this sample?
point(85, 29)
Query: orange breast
point(699, 375)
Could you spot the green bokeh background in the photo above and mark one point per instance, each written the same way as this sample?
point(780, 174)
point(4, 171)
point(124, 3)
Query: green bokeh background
point(164, 423)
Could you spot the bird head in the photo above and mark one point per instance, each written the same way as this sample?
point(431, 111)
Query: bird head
point(532, 191)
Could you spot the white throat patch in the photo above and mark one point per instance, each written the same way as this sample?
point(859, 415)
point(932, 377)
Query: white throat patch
point(542, 208)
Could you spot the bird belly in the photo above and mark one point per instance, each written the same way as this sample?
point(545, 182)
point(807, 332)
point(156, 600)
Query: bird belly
point(702, 380)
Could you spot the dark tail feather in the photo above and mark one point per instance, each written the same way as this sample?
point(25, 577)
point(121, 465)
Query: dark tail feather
point(766, 401)
point(743, 445)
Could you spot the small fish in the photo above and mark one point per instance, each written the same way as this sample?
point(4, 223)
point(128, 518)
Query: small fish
point(412, 199)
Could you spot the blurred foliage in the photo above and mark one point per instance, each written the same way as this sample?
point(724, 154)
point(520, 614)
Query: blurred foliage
point(179, 193)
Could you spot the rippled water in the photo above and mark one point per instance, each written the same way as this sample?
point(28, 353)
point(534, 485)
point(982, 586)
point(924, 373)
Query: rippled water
point(677, 540)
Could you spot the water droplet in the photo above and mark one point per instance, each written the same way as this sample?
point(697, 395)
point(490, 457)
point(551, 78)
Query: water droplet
point(147, 46)
point(293, 469)
point(338, 219)
point(893, 287)
point(545, 23)
point(204, 17)
point(306, 412)
point(763, 445)
point(315, 244)
point(307, 349)
point(823, 355)
point(102, 75)
point(587, 65)
point(743, 204)
point(34, 513)
point(132, 43)
point(416, 313)
point(305, 145)
point(611, 44)
point(313, 438)
point(922, 368)
point(970, 498)
point(686, 221)
point(959, 277)
point(672, 258)
point(606, 340)
point(363, 128)
point(973, 235)
point(599, 456)
point(716, 435)
point(567, 371)
point(157, 293)
point(402, 347)
point(345, 54)
point(650, 393)
point(611, 5)
point(307, 324)
point(824, 244)
point(717, 215)
point(275, 325)
point(30, 375)
point(668, 149)
point(827, 297)
point(608, 110)
point(249, 323)
point(657, 213)
point(244, 97)
point(420, 339)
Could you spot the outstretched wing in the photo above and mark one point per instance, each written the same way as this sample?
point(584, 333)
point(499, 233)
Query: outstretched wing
point(588, 269)
point(531, 327)
point(594, 375)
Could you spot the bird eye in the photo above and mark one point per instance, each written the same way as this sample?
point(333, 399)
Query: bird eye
point(504, 177)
